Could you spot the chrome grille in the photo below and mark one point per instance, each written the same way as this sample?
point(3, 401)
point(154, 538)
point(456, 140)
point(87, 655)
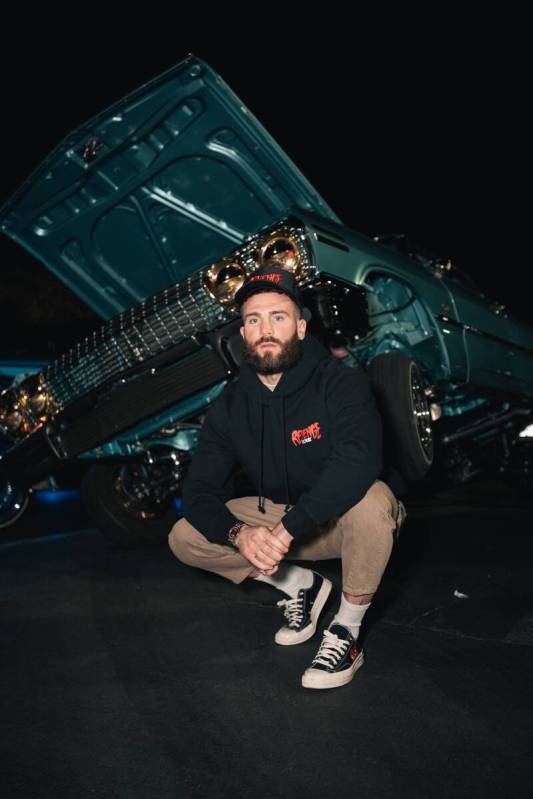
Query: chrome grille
point(127, 340)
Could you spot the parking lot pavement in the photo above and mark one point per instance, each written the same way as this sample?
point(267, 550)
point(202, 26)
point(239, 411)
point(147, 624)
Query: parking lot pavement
point(127, 674)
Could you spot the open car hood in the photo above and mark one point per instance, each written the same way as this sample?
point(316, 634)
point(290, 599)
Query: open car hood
point(169, 179)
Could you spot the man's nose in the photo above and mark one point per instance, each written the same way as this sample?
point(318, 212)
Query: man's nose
point(266, 327)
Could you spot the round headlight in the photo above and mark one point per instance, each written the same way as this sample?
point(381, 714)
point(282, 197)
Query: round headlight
point(13, 421)
point(11, 415)
point(38, 401)
point(223, 279)
point(283, 250)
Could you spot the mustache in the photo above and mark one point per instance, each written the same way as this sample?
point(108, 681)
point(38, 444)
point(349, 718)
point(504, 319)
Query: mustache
point(268, 340)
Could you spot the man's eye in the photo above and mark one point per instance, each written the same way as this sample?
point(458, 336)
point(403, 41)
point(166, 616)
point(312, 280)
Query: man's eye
point(279, 317)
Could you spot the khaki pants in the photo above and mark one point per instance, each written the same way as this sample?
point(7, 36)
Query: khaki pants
point(362, 537)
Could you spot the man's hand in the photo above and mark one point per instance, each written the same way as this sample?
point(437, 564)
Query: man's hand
point(262, 548)
point(282, 535)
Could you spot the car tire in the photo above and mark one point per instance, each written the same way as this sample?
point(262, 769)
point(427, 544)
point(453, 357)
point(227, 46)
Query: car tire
point(408, 436)
point(119, 524)
point(13, 503)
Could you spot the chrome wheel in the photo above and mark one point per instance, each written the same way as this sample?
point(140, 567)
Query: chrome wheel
point(421, 413)
point(13, 503)
point(400, 395)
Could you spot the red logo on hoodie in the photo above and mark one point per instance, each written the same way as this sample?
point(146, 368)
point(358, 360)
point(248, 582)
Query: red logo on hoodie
point(307, 434)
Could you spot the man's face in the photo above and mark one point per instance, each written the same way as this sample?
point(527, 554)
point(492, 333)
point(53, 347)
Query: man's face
point(271, 331)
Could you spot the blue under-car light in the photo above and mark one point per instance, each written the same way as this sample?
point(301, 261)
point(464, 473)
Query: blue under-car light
point(51, 497)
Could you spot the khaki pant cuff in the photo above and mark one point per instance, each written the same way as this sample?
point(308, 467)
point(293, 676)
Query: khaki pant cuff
point(359, 591)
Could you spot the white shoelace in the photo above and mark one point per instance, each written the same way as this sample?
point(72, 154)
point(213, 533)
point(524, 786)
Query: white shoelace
point(292, 610)
point(331, 649)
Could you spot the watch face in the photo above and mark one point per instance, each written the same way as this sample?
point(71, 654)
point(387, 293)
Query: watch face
point(234, 532)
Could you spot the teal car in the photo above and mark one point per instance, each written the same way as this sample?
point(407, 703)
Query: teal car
point(153, 213)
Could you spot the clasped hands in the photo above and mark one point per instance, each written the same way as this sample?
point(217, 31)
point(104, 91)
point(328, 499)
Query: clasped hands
point(264, 548)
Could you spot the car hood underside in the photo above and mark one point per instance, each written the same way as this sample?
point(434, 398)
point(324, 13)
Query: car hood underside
point(169, 179)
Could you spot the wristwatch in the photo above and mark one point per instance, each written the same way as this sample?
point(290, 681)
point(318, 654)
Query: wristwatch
point(233, 532)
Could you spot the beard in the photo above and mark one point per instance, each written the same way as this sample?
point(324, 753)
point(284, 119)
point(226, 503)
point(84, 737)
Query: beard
point(273, 363)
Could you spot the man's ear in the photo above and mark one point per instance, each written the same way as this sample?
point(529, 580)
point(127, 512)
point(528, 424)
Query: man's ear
point(301, 326)
point(241, 331)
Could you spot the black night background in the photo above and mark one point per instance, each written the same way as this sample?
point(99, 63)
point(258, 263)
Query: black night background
point(403, 135)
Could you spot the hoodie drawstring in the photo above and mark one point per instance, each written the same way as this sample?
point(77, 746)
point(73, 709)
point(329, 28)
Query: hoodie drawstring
point(261, 502)
point(284, 447)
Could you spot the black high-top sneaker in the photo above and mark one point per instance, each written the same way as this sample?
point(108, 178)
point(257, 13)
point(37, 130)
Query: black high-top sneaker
point(302, 612)
point(336, 661)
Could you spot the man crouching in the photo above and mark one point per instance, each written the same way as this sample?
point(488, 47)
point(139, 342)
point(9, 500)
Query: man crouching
point(306, 431)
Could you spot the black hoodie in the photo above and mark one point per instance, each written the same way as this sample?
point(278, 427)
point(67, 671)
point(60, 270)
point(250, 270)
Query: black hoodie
point(313, 443)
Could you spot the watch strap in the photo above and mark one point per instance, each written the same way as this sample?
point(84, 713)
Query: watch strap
point(233, 532)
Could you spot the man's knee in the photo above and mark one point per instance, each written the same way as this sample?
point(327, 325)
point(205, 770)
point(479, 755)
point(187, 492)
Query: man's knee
point(379, 508)
point(380, 496)
point(193, 549)
point(181, 540)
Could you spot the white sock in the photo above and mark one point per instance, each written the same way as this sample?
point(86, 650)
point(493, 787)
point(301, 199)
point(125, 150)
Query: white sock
point(289, 579)
point(350, 616)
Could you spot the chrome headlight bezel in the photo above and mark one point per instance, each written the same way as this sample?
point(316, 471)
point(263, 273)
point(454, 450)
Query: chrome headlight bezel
point(222, 279)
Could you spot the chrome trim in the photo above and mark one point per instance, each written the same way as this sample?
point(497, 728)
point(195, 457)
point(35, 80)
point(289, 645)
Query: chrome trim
point(471, 329)
point(486, 425)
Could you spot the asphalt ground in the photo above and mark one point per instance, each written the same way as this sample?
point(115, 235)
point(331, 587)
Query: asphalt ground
point(128, 674)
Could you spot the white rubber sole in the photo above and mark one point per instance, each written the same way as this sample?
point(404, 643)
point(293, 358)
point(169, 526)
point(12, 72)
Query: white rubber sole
point(287, 637)
point(316, 678)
